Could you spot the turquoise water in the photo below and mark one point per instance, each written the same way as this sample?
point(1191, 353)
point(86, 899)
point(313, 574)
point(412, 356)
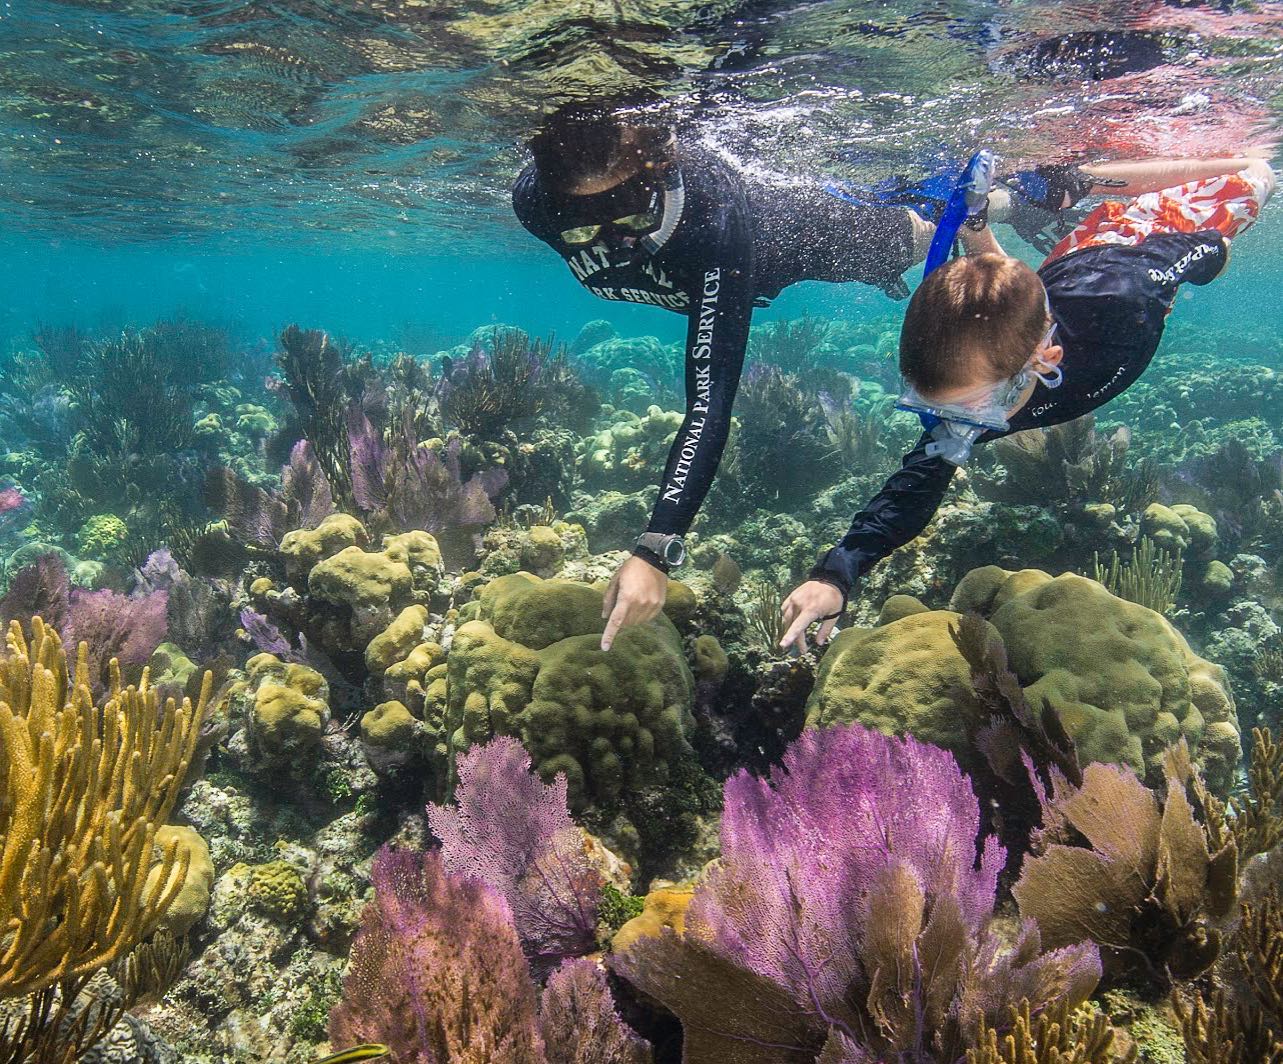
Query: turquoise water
point(351, 161)
point(419, 804)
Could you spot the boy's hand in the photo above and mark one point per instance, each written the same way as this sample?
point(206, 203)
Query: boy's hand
point(636, 595)
point(806, 605)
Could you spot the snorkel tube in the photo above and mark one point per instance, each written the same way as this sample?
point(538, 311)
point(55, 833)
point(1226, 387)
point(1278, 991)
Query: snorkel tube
point(953, 437)
point(969, 196)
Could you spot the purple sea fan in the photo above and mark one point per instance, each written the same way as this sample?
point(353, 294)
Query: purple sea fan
point(846, 803)
point(515, 833)
point(305, 487)
point(265, 636)
point(425, 490)
point(41, 589)
point(159, 572)
point(436, 972)
point(116, 626)
point(579, 1021)
point(849, 916)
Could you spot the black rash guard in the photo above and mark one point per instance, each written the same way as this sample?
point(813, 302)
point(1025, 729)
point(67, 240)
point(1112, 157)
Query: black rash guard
point(1110, 304)
point(739, 242)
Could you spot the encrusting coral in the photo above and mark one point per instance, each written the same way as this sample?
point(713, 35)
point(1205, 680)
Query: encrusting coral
point(85, 874)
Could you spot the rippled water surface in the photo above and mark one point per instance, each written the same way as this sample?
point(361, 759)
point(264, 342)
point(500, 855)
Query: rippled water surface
point(147, 118)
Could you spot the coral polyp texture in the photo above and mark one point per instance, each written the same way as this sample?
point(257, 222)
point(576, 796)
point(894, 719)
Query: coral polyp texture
point(527, 662)
point(1123, 681)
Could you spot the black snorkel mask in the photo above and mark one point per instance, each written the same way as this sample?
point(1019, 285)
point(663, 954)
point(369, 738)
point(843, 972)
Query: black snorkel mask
point(632, 219)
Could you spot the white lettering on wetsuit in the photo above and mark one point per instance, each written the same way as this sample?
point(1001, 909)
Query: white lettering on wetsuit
point(1109, 383)
point(1173, 273)
point(701, 352)
point(672, 301)
point(590, 261)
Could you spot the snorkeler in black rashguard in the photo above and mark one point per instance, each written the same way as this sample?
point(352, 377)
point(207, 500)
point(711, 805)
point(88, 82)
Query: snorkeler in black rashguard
point(640, 218)
point(708, 244)
point(989, 347)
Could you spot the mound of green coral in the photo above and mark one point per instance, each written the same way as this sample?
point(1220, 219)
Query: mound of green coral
point(527, 661)
point(1123, 681)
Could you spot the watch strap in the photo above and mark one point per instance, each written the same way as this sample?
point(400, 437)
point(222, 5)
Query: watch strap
point(648, 555)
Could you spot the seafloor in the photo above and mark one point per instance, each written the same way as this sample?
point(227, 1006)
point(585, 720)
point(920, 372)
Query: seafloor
point(415, 804)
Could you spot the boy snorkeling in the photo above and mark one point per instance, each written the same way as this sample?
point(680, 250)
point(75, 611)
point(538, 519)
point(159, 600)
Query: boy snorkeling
point(990, 347)
point(638, 215)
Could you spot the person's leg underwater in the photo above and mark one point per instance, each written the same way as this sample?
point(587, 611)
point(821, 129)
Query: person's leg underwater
point(1229, 200)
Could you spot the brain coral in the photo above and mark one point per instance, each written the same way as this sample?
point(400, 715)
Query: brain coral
point(1123, 680)
point(527, 662)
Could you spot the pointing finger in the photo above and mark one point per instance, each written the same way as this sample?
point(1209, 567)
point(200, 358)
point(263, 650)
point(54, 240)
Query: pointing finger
point(613, 625)
point(796, 633)
point(612, 591)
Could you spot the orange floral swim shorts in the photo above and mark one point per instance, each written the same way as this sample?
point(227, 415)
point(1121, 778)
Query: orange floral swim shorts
point(1228, 203)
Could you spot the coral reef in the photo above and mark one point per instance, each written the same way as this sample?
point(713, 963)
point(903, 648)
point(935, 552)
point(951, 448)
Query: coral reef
point(847, 915)
point(392, 563)
point(515, 833)
point(437, 974)
point(526, 661)
point(1149, 886)
point(1056, 1036)
point(86, 875)
point(1125, 684)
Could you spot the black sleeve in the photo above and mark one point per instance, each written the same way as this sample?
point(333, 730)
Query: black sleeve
point(898, 513)
point(1168, 260)
point(716, 338)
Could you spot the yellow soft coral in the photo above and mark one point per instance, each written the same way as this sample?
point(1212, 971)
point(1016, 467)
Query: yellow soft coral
point(85, 791)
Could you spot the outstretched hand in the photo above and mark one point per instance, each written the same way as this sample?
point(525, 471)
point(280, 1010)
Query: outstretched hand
point(635, 595)
point(807, 604)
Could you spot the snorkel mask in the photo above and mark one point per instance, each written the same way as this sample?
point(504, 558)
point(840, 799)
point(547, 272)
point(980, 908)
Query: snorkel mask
point(956, 426)
point(632, 219)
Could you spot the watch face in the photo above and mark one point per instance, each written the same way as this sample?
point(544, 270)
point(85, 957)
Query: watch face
point(674, 551)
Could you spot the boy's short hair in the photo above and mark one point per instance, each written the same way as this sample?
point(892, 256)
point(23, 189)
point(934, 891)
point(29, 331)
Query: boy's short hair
point(977, 316)
point(585, 141)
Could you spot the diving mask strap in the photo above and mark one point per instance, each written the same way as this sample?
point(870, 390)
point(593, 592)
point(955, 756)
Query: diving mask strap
point(1052, 378)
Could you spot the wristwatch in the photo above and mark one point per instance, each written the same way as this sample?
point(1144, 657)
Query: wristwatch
point(669, 549)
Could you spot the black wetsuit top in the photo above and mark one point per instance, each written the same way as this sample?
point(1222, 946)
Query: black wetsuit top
point(1110, 304)
point(739, 242)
